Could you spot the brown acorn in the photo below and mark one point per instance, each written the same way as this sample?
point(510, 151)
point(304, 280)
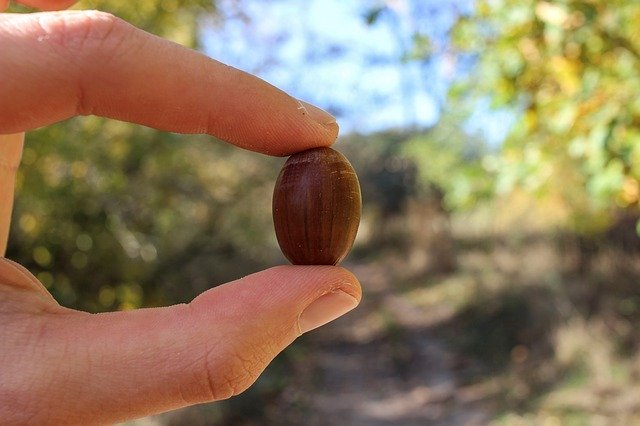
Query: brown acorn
point(316, 207)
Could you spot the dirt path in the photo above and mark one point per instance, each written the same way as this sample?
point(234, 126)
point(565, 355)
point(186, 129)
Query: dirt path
point(380, 365)
point(468, 347)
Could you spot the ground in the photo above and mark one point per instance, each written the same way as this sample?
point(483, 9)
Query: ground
point(489, 342)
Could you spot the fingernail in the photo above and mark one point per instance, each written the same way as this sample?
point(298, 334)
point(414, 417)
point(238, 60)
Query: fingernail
point(318, 115)
point(325, 309)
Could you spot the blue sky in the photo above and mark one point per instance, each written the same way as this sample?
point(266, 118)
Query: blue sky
point(324, 52)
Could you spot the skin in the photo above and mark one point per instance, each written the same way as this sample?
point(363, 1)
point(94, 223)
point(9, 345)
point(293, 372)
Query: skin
point(60, 366)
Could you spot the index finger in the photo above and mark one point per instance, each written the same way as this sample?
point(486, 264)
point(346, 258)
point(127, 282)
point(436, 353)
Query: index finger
point(88, 62)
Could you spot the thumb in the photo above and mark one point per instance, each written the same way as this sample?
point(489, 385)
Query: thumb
point(117, 366)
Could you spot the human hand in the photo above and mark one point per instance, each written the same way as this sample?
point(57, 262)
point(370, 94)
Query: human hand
point(62, 366)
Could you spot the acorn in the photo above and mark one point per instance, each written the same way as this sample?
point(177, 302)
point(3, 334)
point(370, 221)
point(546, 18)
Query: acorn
point(316, 207)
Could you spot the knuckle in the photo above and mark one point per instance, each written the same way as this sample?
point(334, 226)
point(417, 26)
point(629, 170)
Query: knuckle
point(231, 374)
point(80, 31)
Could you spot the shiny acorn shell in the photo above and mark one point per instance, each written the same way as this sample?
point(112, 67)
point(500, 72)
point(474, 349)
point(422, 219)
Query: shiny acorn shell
point(316, 207)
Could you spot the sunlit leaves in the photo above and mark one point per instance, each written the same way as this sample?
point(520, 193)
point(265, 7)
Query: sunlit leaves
point(571, 68)
point(450, 160)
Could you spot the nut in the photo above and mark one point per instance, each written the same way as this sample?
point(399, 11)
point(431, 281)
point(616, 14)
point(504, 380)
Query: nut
point(316, 207)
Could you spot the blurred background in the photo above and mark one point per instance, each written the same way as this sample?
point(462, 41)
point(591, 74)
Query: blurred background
point(496, 143)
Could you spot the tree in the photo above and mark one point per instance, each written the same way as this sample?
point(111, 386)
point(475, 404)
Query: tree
point(569, 70)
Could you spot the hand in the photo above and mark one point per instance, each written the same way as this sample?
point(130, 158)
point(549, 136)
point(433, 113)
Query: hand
point(59, 366)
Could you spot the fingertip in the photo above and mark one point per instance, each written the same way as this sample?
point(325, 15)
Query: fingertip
point(325, 309)
point(323, 131)
point(281, 292)
point(323, 118)
point(351, 283)
point(339, 278)
point(290, 297)
point(330, 132)
point(333, 129)
point(334, 291)
point(274, 123)
point(314, 280)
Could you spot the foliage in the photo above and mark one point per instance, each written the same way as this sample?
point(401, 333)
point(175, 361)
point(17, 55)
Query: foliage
point(570, 70)
point(387, 177)
point(450, 161)
point(128, 213)
point(444, 162)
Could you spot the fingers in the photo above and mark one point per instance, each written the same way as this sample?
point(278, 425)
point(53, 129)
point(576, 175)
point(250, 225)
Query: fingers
point(10, 153)
point(123, 365)
point(87, 62)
